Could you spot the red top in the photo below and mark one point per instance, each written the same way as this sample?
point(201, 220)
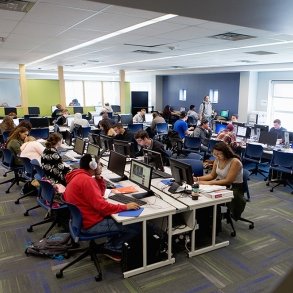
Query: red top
point(87, 193)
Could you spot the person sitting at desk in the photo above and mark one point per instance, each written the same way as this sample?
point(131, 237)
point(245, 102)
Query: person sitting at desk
point(227, 171)
point(234, 118)
point(139, 117)
point(107, 128)
point(157, 118)
point(61, 120)
point(142, 138)
point(74, 103)
point(7, 124)
point(181, 126)
point(15, 141)
point(105, 116)
point(228, 136)
point(122, 133)
point(204, 132)
point(32, 149)
point(52, 163)
point(278, 129)
point(107, 108)
point(58, 111)
point(78, 120)
point(191, 112)
point(85, 189)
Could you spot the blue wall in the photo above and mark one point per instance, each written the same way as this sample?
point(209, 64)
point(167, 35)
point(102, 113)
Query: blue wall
point(199, 85)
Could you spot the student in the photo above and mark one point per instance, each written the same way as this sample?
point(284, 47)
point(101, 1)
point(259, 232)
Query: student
point(15, 141)
point(206, 109)
point(227, 171)
point(234, 118)
point(105, 116)
point(52, 163)
point(85, 189)
point(57, 112)
point(74, 103)
point(32, 149)
point(7, 124)
point(78, 120)
point(107, 128)
point(122, 133)
point(204, 132)
point(139, 117)
point(61, 120)
point(278, 129)
point(142, 138)
point(107, 108)
point(156, 119)
point(181, 126)
point(192, 113)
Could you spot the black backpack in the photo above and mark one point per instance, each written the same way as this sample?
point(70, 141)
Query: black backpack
point(53, 246)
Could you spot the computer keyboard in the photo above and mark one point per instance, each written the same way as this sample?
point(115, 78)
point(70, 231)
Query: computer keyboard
point(160, 174)
point(126, 199)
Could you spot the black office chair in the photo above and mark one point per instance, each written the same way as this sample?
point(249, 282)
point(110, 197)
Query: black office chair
point(253, 154)
point(282, 164)
point(46, 201)
point(196, 165)
point(191, 145)
point(161, 130)
point(75, 225)
point(8, 164)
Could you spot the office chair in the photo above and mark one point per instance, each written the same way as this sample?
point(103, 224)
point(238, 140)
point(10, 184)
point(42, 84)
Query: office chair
point(212, 143)
point(191, 121)
point(46, 201)
point(282, 163)
point(28, 175)
point(161, 130)
point(174, 143)
point(40, 132)
point(193, 156)
point(75, 225)
point(8, 164)
point(5, 135)
point(135, 127)
point(253, 153)
point(245, 183)
point(191, 145)
point(196, 165)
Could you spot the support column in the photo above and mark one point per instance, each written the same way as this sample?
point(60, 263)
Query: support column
point(23, 88)
point(61, 86)
point(122, 90)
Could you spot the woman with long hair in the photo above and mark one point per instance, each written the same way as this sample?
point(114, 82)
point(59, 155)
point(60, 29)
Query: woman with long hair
point(107, 128)
point(52, 163)
point(14, 142)
point(7, 124)
point(32, 149)
point(228, 171)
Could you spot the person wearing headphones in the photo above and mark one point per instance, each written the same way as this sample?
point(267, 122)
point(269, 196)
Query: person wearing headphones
point(85, 189)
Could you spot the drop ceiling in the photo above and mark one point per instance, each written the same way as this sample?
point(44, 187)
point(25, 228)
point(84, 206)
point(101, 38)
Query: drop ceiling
point(184, 42)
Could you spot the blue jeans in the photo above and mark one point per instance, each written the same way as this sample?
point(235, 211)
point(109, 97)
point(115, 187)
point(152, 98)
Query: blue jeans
point(124, 233)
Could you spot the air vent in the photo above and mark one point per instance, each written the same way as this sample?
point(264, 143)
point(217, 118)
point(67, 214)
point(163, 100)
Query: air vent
point(260, 53)
point(145, 46)
point(146, 52)
point(94, 61)
point(246, 61)
point(16, 5)
point(177, 67)
point(68, 65)
point(232, 37)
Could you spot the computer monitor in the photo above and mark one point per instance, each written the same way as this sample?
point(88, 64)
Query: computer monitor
point(34, 110)
point(16, 121)
point(224, 114)
point(106, 143)
point(148, 117)
point(236, 124)
point(8, 110)
point(78, 110)
point(154, 159)
point(264, 128)
point(125, 119)
point(68, 138)
point(268, 138)
point(97, 120)
point(116, 164)
point(141, 174)
point(124, 147)
point(181, 172)
point(69, 120)
point(243, 131)
point(288, 137)
point(93, 149)
point(219, 126)
point(116, 108)
point(79, 146)
point(252, 118)
point(39, 122)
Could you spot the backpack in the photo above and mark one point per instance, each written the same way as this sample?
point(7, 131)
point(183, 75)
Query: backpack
point(53, 246)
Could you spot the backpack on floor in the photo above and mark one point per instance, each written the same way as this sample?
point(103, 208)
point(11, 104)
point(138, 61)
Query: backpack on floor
point(53, 246)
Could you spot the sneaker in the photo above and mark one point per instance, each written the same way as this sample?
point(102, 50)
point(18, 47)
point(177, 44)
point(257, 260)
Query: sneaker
point(116, 256)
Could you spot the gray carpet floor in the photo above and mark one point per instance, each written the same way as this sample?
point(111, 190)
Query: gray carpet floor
point(255, 261)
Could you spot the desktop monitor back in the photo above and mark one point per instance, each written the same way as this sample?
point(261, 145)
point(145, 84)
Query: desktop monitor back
point(124, 147)
point(34, 110)
point(8, 110)
point(288, 137)
point(39, 122)
point(154, 159)
point(68, 138)
point(125, 119)
point(181, 172)
point(79, 146)
point(117, 163)
point(78, 109)
point(268, 138)
point(116, 108)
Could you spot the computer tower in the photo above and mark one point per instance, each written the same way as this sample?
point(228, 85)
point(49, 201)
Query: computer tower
point(132, 252)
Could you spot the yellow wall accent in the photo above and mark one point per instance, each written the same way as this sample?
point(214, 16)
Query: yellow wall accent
point(127, 100)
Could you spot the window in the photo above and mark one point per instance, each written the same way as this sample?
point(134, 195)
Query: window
point(74, 90)
point(214, 96)
point(282, 103)
point(93, 93)
point(111, 92)
point(182, 95)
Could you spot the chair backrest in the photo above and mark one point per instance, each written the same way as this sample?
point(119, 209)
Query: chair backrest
point(28, 167)
point(7, 159)
point(194, 156)
point(135, 127)
point(196, 165)
point(192, 143)
point(5, 135)
point(39, 170)
point(75, 222)
point(40, 132)
point(191, 120)
point(246, 174)
point(254, 151)
point(283, 159)
point(47, 191)
point(212, 143)
point(77, 130)
point(162, 128)
point(85, 131)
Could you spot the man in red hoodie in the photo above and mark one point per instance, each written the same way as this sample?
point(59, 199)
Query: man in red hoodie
point(85, 189)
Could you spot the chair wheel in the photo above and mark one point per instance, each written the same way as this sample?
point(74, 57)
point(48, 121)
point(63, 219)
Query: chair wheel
point(98, 278)
point(268, 184)
point(30, 229)
point(251, 226)
point(59, 275)
point(26, 214)
point(271, 190)
point(7, 191)
point(17, 201)
point(233, 234)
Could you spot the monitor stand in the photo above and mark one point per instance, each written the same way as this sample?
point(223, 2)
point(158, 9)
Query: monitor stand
point(118, 179)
